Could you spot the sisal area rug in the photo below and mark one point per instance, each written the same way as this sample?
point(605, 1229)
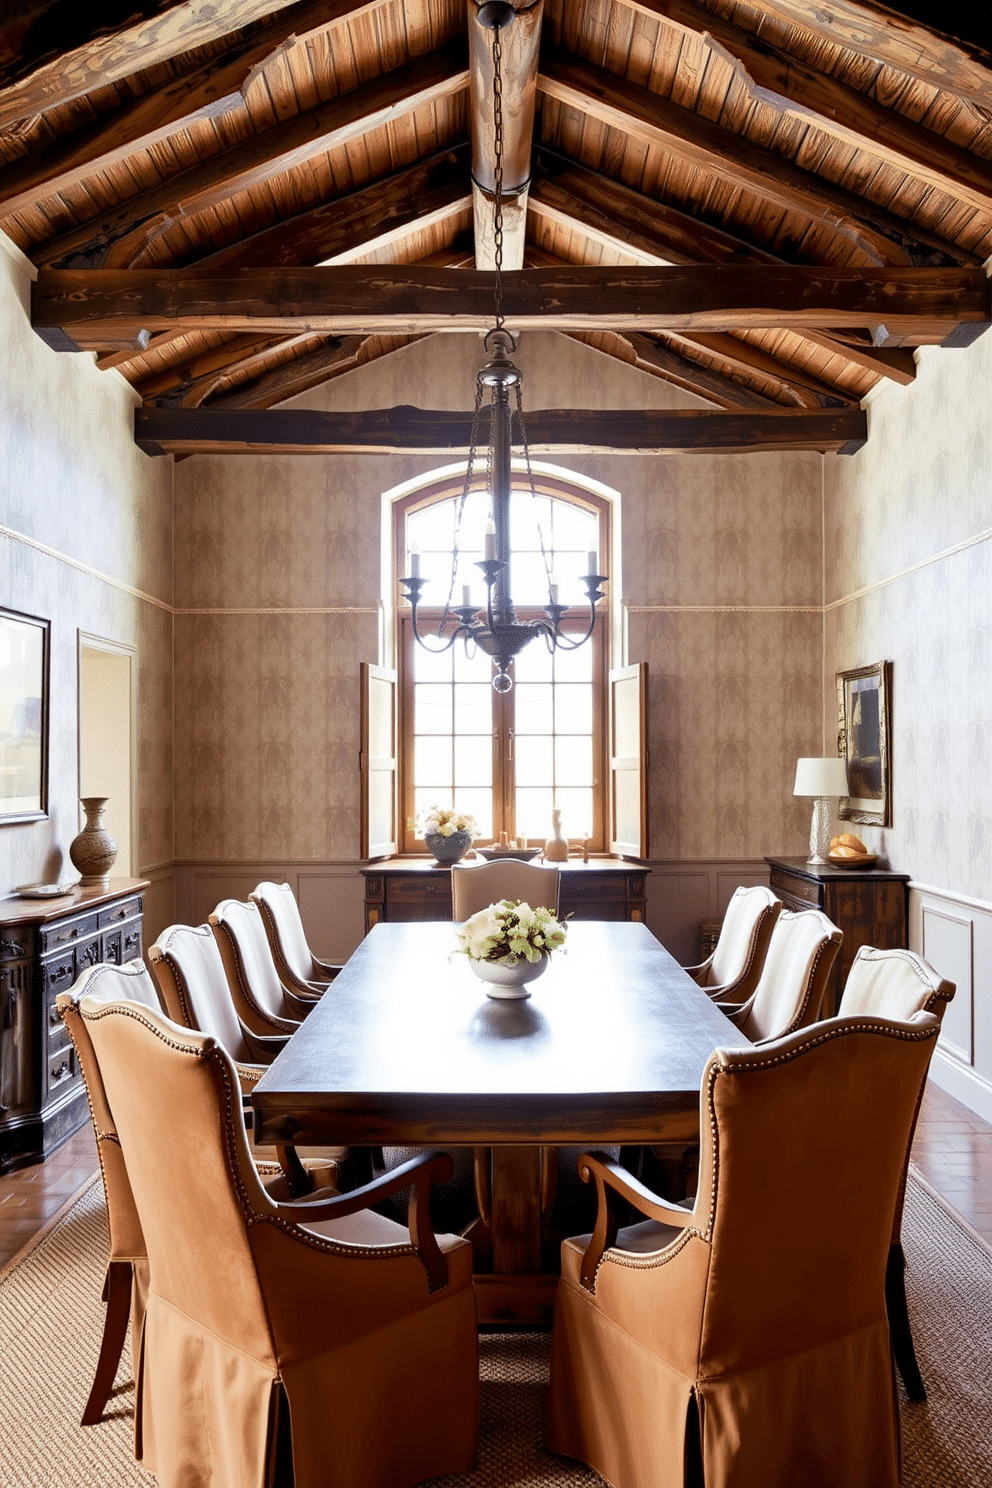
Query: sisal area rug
point(51, 1321)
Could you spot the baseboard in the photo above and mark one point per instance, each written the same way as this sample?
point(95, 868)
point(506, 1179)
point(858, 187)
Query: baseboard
point(963, 1083)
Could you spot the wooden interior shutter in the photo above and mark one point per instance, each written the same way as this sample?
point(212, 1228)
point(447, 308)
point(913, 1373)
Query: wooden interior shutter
point(629, 760)
point(378, 761)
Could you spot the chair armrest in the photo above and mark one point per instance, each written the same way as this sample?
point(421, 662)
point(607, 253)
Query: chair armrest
point(266, 1045)
point(613, 1181)
point(300, 1002)
point(329, 969)
point(736, 1011)
point(698, 973)
point(418, 1175)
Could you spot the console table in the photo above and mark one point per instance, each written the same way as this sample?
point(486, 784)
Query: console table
point(44, 945)
point(420, 889)
point(867, 904)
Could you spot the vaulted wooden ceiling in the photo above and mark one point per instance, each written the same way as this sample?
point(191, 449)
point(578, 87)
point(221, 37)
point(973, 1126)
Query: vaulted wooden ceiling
point(768, 204)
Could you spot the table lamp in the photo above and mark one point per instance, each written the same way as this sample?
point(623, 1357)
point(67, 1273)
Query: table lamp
point(820, 778)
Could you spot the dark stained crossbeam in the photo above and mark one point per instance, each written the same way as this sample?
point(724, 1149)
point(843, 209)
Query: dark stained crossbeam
point(96, 308)
point(419, 430)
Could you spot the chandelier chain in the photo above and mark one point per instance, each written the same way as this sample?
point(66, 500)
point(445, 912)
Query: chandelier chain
point(498, 174)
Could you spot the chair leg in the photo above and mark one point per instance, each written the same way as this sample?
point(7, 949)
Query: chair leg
point(117, 1293)
point(901, 1333)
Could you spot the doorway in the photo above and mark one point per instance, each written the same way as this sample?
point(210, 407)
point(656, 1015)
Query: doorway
point(107, 728)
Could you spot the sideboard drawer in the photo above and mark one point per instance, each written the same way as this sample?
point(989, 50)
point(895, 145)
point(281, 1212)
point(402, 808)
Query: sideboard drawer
point(797, 888)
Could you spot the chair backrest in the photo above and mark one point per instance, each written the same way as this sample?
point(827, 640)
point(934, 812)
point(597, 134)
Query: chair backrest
point(176, 1105)
point(476, 886)
point(284, 927)
point(193, 984)
point(747, 927)
point(800, 959)
point(804, 1142)
point(106, 983)
point(893, 984)
point(251, 972)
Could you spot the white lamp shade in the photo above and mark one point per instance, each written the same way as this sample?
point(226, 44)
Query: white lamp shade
point(820, 777)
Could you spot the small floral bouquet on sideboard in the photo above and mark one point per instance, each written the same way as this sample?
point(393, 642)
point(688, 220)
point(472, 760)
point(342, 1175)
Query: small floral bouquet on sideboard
point(447, 833)
point(509, 944)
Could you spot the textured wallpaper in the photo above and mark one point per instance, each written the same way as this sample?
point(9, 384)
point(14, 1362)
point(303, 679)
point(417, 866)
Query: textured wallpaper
point(73, 481)
point(909, 580)
point(266, 704)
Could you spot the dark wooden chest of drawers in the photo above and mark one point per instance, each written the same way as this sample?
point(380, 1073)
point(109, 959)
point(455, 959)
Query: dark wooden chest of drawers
point(867, 904)
point(418, 889)
point(44, 945)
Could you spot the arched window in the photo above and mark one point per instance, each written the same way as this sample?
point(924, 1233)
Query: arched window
point(506, 759)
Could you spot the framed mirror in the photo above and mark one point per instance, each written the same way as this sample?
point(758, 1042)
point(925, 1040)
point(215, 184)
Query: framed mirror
point(863, 743)
point(24, 648)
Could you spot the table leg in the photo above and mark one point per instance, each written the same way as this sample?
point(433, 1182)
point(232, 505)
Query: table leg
point(516, 1208)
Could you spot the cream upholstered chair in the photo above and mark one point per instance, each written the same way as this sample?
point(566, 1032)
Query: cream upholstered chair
point(476, 886)
point(302, 973)
point(745, 1340)
point(126, 1283)
point(195, 993)
point(313, 1342)
point(260, 1000)
point(731, 973)
point(799, 961)
point(896, 984)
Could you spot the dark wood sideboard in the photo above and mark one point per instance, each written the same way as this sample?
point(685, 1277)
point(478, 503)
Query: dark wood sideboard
point(420, 889)
point(44, 945)
point(867, 904)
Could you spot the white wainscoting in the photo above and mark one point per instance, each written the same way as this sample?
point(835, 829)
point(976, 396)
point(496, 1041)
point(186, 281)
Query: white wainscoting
point(954, 933)
point(331, 897)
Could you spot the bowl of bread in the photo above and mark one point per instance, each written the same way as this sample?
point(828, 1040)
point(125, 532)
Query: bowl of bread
point(848, 851)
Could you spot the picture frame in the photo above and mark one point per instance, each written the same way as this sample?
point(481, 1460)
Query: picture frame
point(863, 743)
point(24, 676)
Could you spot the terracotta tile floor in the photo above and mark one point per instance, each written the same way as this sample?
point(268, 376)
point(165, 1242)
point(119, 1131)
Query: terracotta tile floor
point(953, 1151)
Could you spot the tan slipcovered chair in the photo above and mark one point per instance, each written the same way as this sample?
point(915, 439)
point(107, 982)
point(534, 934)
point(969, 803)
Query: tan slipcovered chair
point(799, 961)
point(731, 973)
point(476, 886)
point(261, 1001)
point(313, 1342)
point(300, 971)
point(744, 1341)
point(126, 1282)
point(896, 984)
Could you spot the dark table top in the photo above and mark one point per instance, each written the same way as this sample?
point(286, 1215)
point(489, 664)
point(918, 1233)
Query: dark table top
point(405, 1047)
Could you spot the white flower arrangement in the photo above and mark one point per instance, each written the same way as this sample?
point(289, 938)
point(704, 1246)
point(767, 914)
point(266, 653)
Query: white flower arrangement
point(442, 821)
point(510, 931)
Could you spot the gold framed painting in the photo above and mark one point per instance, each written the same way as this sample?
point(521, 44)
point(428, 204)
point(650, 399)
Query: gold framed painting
point(23, 717)
point(863, 743)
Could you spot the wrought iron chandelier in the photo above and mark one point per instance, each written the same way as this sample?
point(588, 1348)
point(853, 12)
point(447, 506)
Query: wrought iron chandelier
point(498, 632)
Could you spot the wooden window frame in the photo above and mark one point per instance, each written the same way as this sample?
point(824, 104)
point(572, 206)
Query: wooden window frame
point(447, 489)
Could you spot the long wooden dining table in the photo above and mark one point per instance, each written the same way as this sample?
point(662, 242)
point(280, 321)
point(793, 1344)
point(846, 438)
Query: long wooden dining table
point(406, 1049)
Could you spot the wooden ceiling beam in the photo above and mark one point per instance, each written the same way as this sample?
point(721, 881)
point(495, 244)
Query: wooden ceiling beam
point(628, 222)
point(882, 237)
point(439, 431)
point(782, 82)
point(289, 379)
point(925, 305)
point(917, 43)
point(519, 45)
point(254, 161)
point(431, 191)
point(673, 366)
point(59, 52)
point(203, 92)
point(177, 382)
